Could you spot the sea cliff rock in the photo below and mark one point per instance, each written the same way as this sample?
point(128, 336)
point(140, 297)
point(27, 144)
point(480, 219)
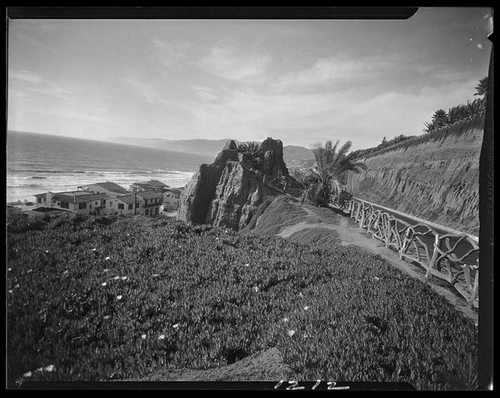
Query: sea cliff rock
point(435, 177)
point(228, 191)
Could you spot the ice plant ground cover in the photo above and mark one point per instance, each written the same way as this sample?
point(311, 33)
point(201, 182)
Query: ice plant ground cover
point(189, 301)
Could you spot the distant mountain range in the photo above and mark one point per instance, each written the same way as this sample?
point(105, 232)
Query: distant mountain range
point(293, 155)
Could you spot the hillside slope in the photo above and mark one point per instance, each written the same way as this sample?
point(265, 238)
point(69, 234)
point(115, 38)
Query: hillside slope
point(434, 177)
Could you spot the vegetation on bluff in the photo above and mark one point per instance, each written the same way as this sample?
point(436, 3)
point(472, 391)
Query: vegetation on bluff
point(121, 298)
point(323, 182)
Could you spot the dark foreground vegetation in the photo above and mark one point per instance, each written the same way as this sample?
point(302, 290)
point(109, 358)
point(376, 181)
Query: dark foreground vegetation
point(115, 298)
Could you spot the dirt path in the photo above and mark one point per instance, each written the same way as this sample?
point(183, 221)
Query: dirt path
point(351, 234)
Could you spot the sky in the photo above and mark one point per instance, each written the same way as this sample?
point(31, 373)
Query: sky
point(300, 81)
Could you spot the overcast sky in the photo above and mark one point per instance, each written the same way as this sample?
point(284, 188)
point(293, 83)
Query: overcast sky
point(302, 81)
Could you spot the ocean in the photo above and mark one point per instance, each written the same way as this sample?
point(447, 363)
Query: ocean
point(38, 163)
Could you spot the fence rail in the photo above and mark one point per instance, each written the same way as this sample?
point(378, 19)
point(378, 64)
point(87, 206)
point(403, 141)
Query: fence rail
point(452, 257)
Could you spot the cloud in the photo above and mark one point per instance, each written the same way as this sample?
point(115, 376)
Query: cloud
point(206, 93)
point(25, 76)
point(169, 54)
point(231, 62)
point(148, 92)
point(342, 69)
point(27, 83)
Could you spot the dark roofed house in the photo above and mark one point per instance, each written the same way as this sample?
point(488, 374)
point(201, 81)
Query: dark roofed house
point(122, 204)
point(76, 201)
point(151, 185)
point(150, 202)
point(171, 198)
point(107, 187)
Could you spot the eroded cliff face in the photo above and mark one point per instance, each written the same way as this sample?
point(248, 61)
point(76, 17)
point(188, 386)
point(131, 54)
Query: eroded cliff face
point(434, 178)
point(228, 192)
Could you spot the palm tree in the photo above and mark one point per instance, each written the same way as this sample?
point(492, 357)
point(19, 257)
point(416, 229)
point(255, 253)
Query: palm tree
point(331, 166)
point(482, 87)
point(440, 118)
point(251, 150)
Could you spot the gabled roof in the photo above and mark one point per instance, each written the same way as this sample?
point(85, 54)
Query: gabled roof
point(151, 184)
point(157, 184)
point(149, 194)
point(78, 198)
point(110, 186)
point(129, 199)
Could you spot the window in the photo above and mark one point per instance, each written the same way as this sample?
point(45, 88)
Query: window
point(121, 206)
point(65, 205)
point(82, 206)
point(130, 206)
point(104, 202)
point(90, 205)
point(39, 200)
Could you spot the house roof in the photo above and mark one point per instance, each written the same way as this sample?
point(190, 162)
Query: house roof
point(109, 186)
point(143, 185)
point(157, 184)
point(149, 195)
point(151, 184)
point(129, 199)
point(78, 197)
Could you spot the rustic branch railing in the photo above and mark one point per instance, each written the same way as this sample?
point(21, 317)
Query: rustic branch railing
point(451, 257)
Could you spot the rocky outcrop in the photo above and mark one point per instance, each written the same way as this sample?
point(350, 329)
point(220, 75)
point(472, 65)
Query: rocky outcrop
point(434, 177)
point(228, 191)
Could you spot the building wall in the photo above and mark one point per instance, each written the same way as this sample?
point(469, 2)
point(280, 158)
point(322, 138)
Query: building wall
point(112, 207)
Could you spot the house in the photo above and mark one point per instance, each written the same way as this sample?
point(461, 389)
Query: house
point(149, 203)
point(151, 185)
point(107, 187)
point(171, 198)
point(81, 202)
point(122, 204)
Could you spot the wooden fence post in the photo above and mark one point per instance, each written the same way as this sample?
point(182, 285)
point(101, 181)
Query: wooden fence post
point(435, 254)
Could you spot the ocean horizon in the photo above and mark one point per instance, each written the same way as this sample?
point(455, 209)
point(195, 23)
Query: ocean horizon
point(38, 163)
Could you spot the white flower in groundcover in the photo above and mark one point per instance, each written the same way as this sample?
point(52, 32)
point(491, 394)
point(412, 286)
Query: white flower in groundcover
point(291, 333)
point(46, 251)
point(94, 249)
point(123, 278)
point(376, 278)
point(306, 308)
point(16, 287)
point(103, 284)
point(301, 295)
point(119, 297)
point(247, 265)
point(161, 337)
point(106, 258)
point(116, 278)
point(66, 272)
point(155, 275)
point(49, 368)
point(143, 337)
point(285, 319)
point(39, 370)
point(256, 289)
point(176, 326)
point(106, 316)
point(10, 291)
point(106, 270)
point(9, 269)
point(27, 374)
